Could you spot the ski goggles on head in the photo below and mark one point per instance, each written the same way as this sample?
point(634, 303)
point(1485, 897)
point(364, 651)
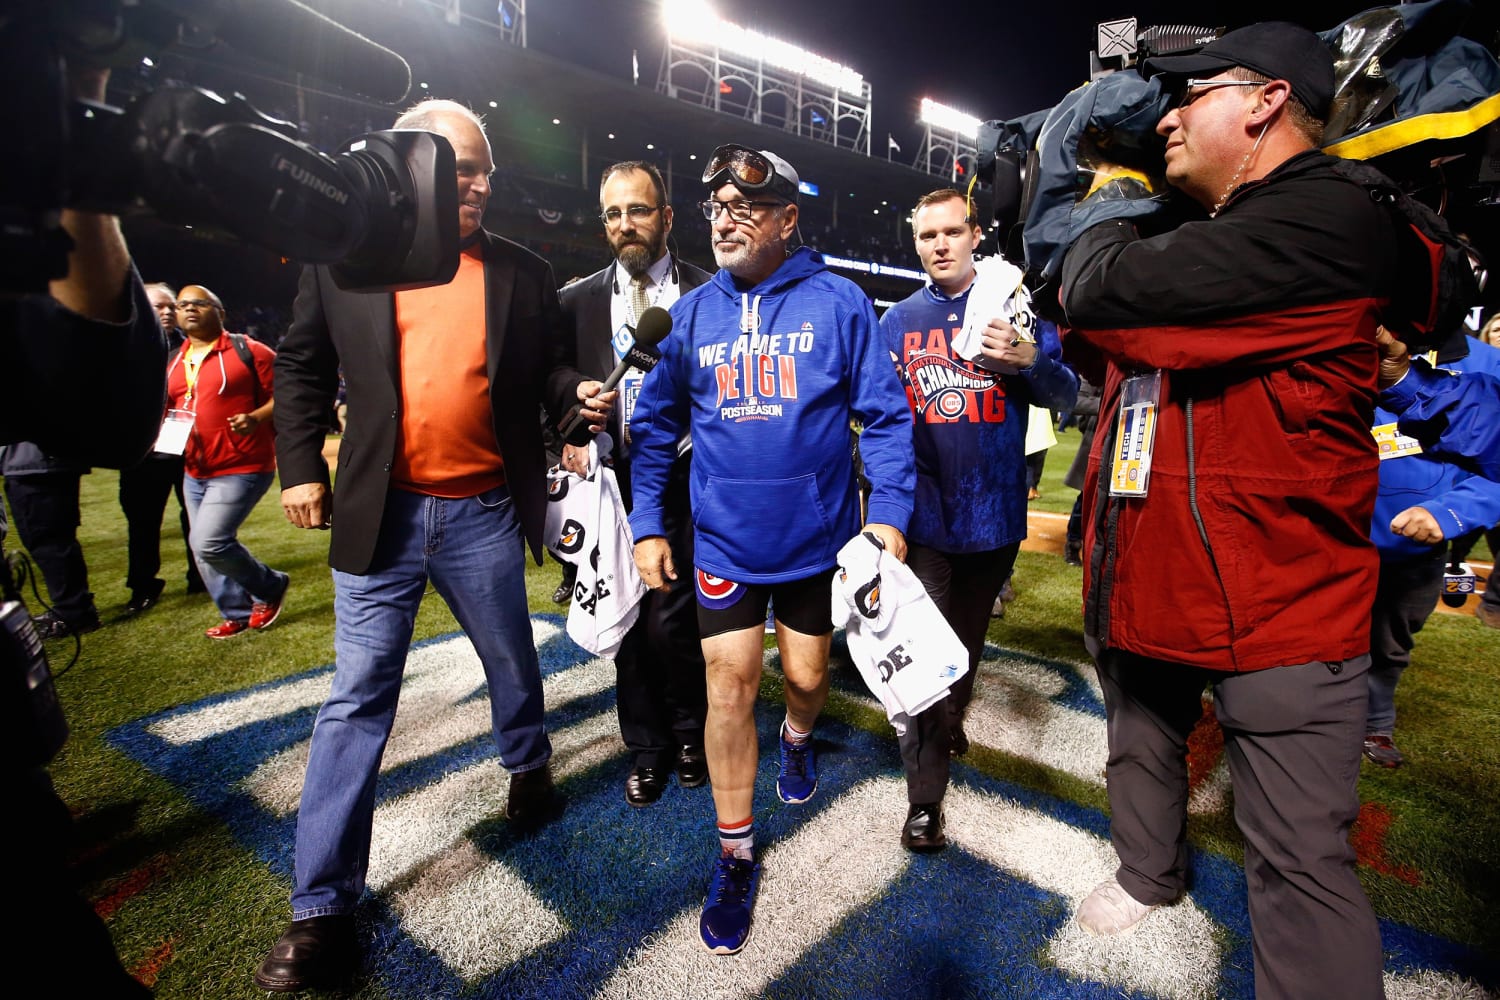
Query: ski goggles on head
point(750, 171)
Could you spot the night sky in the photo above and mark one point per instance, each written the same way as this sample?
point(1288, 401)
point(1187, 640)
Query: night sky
point(992, 60)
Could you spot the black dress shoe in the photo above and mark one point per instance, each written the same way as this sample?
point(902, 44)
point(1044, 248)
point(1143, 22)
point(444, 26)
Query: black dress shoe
point(692, 766)
point(924, 828)
point(317, 953)
point(564, 592)
point(144, 598)
point(532, 799)
point(645, 784)
point(51, 625)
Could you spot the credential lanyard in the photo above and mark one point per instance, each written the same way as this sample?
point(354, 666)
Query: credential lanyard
point(1135, 434)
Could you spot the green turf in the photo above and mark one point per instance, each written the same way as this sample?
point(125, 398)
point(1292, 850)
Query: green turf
point(211, 908)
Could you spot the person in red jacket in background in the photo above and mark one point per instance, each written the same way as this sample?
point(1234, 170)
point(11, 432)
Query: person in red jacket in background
point(219, 390)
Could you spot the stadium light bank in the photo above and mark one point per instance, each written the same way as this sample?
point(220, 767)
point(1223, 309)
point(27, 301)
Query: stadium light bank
point(695, 21)
point(940, 116)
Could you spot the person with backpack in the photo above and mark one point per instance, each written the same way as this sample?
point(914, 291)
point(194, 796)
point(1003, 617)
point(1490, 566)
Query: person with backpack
point(219, 401)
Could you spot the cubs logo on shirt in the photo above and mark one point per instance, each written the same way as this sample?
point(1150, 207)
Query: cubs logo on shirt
point(715, 593)
point(936, 381)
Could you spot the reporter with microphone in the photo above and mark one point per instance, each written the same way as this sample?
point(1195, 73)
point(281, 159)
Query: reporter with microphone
point(618, 316)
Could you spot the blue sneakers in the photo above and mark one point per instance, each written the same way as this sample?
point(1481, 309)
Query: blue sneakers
point(725, 924)
point(798, 777)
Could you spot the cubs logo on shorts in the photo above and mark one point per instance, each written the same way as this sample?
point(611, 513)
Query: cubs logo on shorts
point(570, 539)
point(717, 594)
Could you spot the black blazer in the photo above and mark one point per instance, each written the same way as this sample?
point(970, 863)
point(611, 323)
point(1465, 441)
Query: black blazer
point(531, 363)
point(586, 314)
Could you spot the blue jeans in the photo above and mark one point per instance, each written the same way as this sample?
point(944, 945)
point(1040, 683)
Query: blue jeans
point(216, 509)
point(473, 552)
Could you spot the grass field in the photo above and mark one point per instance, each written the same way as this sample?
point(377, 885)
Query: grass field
point(192, 909)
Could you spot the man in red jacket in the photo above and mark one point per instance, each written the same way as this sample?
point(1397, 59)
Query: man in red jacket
point(1233, 550)
point(219, 388)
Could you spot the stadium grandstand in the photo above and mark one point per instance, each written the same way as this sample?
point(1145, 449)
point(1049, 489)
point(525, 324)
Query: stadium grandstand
point(554, 123)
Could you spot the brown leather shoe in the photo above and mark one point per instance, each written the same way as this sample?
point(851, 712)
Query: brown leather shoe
point(317, 953)
point(532, 800)
point(646, 784)
point(924, 828)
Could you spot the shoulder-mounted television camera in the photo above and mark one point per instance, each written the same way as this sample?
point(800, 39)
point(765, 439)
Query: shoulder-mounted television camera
point(382, 211)
point(1414, 96)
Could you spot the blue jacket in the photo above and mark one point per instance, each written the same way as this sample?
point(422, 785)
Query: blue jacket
point(1458, 499)
point(969, 424)
point(774, 495)
point(1452, 415)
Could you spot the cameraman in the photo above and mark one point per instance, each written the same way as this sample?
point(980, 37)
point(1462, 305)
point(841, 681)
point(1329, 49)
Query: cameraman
point(84, 370)
point(1247, 340)
point(84, 366)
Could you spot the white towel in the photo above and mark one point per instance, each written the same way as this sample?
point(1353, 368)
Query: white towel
point(587, 527)
point(899, 641)
point(997, 291)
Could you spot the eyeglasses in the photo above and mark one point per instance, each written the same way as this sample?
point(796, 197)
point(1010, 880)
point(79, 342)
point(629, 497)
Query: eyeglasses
point(739, 211)
point(1189, 96)
point(637, 213)
point(195, 304)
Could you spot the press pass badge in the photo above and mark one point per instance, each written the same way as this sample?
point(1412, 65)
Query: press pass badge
point(1135, 435)
point(1392, 443)
point(173, 436)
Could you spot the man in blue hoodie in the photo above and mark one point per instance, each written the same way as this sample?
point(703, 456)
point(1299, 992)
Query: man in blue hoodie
point(766, 366)
point(1423, 502)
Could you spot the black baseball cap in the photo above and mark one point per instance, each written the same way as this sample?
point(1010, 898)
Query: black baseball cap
point(1277, 49)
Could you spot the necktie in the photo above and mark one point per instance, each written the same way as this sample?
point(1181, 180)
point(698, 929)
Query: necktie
point(638, 301)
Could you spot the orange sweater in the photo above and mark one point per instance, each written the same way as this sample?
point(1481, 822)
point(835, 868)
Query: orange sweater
point(446, 446)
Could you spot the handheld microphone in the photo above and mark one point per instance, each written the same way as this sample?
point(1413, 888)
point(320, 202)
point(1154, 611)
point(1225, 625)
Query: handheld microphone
point(1458, 583)
point(654, 325)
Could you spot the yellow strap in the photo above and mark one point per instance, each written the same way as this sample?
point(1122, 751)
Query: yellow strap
point(1409, 131)
point(1110, 172)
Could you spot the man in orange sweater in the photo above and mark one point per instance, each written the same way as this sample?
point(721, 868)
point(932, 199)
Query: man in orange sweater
point(442, 477)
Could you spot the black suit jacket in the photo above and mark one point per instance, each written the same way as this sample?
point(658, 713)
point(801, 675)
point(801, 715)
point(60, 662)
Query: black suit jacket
point(586, 314)
point(530, 360)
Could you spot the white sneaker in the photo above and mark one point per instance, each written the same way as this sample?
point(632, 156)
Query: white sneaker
point(1109, 909)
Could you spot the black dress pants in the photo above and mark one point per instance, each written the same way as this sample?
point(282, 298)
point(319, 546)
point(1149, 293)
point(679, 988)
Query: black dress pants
point(47, 518)
point(144, 489)
point(661, 691)
point(964, 587)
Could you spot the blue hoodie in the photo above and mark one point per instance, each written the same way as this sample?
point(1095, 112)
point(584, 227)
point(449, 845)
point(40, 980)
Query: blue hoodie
point(1458, 499)
point(774, 495)
point(970, 424)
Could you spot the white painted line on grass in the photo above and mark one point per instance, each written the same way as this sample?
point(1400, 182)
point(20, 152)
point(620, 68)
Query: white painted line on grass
point(443, 704)
point(310, 692)
point(1172, 953)
point(832, 866)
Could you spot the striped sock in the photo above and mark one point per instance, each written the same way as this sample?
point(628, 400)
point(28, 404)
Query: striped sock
point(738, 838)
point(792, 734)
